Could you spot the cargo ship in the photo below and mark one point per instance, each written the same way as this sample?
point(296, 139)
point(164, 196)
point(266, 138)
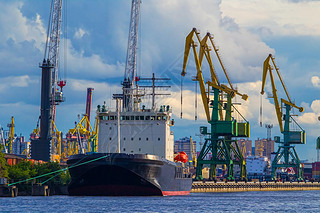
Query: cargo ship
point(138, 163)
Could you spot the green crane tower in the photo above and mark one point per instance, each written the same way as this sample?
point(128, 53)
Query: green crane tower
point(286, 150)
point(220, 143)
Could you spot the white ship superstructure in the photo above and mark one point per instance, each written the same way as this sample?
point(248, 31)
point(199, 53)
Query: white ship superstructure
point(145, 131)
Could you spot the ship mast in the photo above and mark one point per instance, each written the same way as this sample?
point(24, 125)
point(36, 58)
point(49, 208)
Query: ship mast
point(129, 86)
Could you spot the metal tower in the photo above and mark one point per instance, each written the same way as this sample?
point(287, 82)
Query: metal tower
point(269, 127)
point(50, 97)
point(131, 61)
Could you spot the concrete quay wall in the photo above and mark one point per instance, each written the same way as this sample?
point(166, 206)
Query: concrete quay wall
point(210, 186)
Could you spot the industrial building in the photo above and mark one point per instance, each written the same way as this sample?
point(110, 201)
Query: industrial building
point(264, 147)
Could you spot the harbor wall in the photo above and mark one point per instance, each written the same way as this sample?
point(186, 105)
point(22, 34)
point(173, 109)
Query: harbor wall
point(210, 186)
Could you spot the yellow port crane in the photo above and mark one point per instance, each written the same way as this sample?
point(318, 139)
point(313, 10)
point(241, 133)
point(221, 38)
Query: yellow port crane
point(11, 136)
point(286, 149)
point(205, 51)
point(56, 144)
point(80, 134)
point(224, 149)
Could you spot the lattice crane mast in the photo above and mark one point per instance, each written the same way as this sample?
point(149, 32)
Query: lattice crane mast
point(224, 149)
point(286, 150)
point(129, 83)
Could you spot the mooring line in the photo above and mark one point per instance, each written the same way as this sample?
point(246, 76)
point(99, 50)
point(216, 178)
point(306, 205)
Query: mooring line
point(60, 170)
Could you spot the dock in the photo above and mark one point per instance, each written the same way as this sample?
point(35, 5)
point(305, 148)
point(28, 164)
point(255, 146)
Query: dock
point(211, 186)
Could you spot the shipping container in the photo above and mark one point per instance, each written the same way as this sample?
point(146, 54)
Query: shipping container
point(316, 166)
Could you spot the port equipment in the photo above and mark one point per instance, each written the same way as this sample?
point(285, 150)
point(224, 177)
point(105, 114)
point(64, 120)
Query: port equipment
point(78, 136)
point(11, 136)
point(286, 150)
point(220, 142)
point(45, 145)
point(83, 138)
point(2, 140)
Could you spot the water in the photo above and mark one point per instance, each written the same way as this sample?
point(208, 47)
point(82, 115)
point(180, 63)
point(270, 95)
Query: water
point(279, 201)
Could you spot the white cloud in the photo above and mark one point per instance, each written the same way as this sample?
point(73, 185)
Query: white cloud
point(16, 81)
point(15, 26)
point(80, 33)
point(315, 80)
point(89, 65)
point(308, 118)
point(242, 51)
point(275, 17)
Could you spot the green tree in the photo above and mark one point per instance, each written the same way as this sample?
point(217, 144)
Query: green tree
point(21, 171)
point(3, 164)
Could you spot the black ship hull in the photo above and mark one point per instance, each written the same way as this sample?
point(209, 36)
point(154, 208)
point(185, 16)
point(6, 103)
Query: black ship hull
point(119, 174)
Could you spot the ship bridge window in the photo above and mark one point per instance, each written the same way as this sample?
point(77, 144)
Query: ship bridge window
point(127, 118)
point(153, 118)
point(164, 118)
point(112, 118)
point(137, 118)
point(101, 117)
point(147, 118)
point(132, 118)
point(142, 118)
point(158, 118)
point(122, 118)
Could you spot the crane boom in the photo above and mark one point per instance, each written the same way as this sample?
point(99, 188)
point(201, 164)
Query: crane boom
point(205, 51)
point(131, 60)
point(190, 43)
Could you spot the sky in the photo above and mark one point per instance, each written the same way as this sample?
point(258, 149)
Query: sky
point(93, 54)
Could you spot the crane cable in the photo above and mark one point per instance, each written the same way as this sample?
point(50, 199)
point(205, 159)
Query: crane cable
point(260, 117)
point(181, 90)
point(65, 43)
point(196, 102)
